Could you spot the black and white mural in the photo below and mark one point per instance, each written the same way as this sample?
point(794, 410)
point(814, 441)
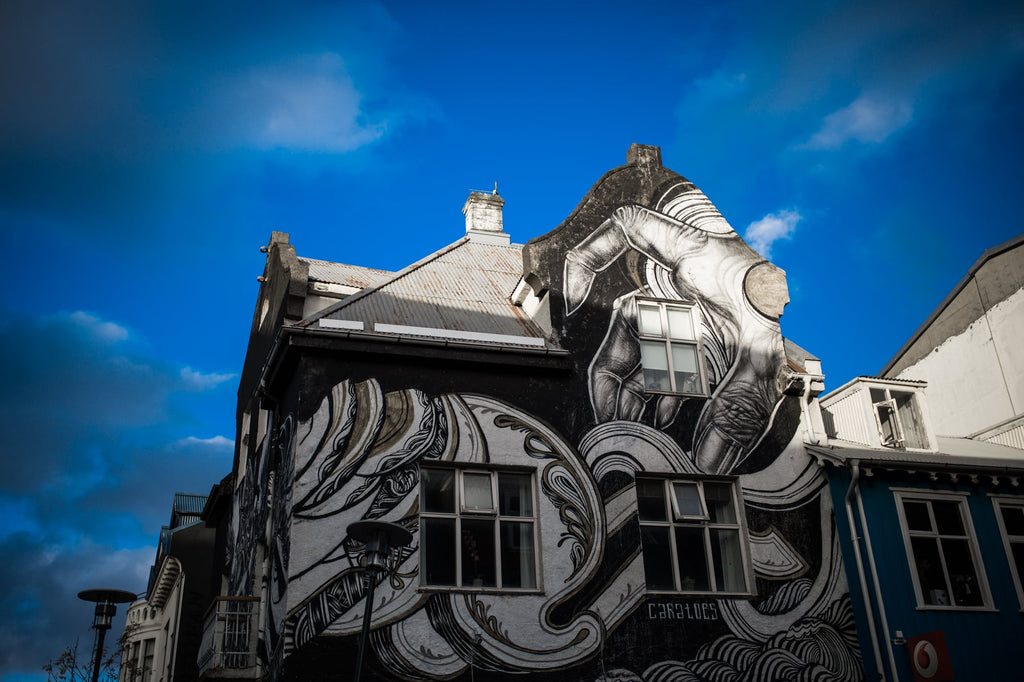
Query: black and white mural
point(672, 322)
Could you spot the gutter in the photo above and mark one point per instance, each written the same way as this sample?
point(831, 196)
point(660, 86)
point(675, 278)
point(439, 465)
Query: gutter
point(873, 634)
point(878, 584)
point(269, 372)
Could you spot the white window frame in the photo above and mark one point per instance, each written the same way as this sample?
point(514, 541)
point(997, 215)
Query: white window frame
point(1010, 540)
point(696, 343)
point(928, 497)
point(461, 511)
point(899, 440)
point(676, 519)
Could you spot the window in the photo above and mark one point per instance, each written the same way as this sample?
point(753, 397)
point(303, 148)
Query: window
point(692, 535)
point(942, 551)
point(670, 348)
point(898, 418)
point(478, 528)
point(133, 662)
point(149, 648)
point(1010, 514)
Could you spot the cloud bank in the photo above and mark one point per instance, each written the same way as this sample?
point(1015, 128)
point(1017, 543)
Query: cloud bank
point(94, 450)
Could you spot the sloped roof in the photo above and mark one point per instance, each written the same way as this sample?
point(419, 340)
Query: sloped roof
point(343, 273)
point(954, 454)
point(797, 355)
point(985, 257)
point(465, 287)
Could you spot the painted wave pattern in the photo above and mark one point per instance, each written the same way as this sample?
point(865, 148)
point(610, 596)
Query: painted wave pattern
point(821, 648)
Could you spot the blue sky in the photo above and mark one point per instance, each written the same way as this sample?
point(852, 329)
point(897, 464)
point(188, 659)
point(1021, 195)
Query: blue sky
point(147, 149)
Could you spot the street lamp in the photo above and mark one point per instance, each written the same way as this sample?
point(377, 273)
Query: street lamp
point(379, 537)
point(106, 601)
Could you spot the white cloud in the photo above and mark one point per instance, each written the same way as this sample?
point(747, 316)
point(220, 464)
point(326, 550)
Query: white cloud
point(197, 381)
point(868, 119)
point(107, 332)
point(215, 442)
point(762, 234)
point(308, 103)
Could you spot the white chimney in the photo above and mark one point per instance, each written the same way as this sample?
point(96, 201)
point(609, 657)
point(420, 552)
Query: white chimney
point(483, 218)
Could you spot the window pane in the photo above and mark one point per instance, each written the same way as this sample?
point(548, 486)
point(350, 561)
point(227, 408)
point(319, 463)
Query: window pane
point(437, 554)
point(478, 492)
point(687, 500)
point(438, 490)
point(878, 395)
point(650, 320)
point(720, 506)
point(693, 564)
point(684, 364)
point(657, 557)
point(962, 576)
point(914, 433)
point(917, 515)
point(650, 500)
point(728, 561)
point(947, 517)
point(654, 358)
point(887, 423)
point(680, 324)
point(1018, 559)
point(518, 562)
point(515, 495)
point(478, 564)
point(929, 571)
point(1013, 519)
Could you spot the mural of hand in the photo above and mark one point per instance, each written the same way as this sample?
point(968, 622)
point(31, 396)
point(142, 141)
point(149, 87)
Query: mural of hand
point(616, 374)
point(694, 256)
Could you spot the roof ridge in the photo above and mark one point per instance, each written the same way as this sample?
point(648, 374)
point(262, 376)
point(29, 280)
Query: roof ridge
point(404, 272)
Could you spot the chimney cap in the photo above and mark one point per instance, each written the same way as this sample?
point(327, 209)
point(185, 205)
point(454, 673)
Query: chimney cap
point(483, 217)
point(643, 155)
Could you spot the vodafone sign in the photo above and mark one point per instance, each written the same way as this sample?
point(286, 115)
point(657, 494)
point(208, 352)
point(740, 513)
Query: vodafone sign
point(929, 657)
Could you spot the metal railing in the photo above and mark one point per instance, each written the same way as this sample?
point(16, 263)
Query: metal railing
point(229, 638)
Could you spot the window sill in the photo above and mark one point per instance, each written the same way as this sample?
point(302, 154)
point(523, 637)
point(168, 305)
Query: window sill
point(702, 595)
point(961, 609)
point(504, 591)
point(676, 393)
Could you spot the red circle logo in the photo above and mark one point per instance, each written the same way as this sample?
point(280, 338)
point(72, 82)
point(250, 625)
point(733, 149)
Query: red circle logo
point(926, 659)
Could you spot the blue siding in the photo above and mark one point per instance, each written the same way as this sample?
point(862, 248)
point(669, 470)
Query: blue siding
point(981, 644)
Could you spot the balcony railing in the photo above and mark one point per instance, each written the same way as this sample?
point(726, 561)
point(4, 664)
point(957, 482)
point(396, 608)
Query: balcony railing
point(228, 649)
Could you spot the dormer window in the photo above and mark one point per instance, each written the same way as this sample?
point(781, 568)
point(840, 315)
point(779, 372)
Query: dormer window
point(898, 418)
point(879, 413)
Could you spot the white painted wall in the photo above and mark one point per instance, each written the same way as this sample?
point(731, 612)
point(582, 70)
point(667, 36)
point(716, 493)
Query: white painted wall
point(976, 379)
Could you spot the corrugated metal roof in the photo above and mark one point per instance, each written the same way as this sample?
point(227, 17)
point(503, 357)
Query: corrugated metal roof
point(186, 503)
point(342, 273)
point(954, 453)
point(464, 287)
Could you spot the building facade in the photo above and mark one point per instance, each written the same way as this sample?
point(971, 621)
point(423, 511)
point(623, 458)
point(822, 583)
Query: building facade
point(925, 465)
point(163, 627)
point(595, 439)
point(969, 351)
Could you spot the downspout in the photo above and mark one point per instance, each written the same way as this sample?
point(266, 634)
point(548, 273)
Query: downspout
point(878, 587)
point(851, 491)
point(263, 612)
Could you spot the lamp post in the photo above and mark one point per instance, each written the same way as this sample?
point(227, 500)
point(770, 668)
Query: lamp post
point(379, 537)
point(106, 606)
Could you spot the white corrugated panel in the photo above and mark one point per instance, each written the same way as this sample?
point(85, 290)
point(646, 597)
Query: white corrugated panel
point(845, 419)
point(1013, 438)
